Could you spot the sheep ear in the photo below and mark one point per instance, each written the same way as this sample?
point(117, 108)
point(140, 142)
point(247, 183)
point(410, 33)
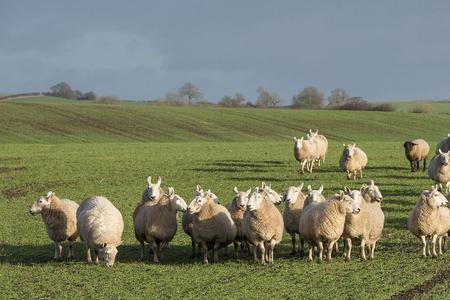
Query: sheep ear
point(346, 190)
point(321, 189)
point(440, 151)
point(341, 195)
point(249, 191)
point(309, 188)
point(158, 183)
point(310, 130)
point(121, 242)
point(301, 139)
point(317, 131)
point(448, 135)
point(50, 194)
point(149, 180)
point(199, 188)
point(257, 189)
point(263, 185)
point(372, 183)
point(354, 145)
point(104, 245)
point(363, 187)
point(171, 192)
point(235, 190)
point(344, 145)
point(441, 188)
point(300, 187)
point(295, 139)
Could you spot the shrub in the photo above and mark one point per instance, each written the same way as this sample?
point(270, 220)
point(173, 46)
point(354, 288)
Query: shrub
point(386, 107)
point(108, 100)
point(423, 108)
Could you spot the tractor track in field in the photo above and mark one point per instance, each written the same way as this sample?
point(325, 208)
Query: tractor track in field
point(424, 287)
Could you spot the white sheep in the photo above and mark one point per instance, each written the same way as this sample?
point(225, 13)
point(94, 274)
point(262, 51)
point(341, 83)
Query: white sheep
point(353, 160)
point(59, 216)
point(212, 228)
point(443, 145)
point(294, 201)
point(153, 192)
point(429, 219)
point(100, 225)
point(321, 145)
point(157, 223)
point(305, 153)
point(237, 207)
point(188, 219)
point(263, 224)
point(324, 222)
point(439, 168)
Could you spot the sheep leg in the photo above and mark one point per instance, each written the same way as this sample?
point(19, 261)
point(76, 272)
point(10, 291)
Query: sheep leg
point(330, 250)
point(236, 249)
point(263, 252)
point(348, 249)
point(440, 245)
point(349, 175)
point(216, 252)
point(271, 247)
point(205, 253)
point(336, 247)
point(303, 166)
point(293, 243)
point(424, 246)
point(320, 244)
point(424, 164)
point(360, 173)
point(301, 248)
point(310, 253)
point(255, 252)
point(70, 253)
point(155, 252)
point(142, 249)
point(193, 243)
point(363, 249)
point(411, 163)
point(372, 250)
point(96, 256)
point(311, 166)
point(58, 250)
point(433, 243)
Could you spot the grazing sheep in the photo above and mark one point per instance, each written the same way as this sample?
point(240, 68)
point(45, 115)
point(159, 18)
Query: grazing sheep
point(188, 219)
point(353, 160)
point(157, 223)
point(321, 145)
point(415, 151)
point(263, 224)
point(237, 208)
point(443, 145)
point(153, 192)
point(439, 168)
point(372, 199)
point(59, 216)
point(305, 153)
point(324, 222)
point(100, 225)
point(212, 228)
point(429, 219)
point(294, 201)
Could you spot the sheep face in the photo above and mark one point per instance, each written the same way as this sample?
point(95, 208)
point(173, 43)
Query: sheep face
point(349, 150)
point(199, 191)
point(314, 195)
point(444, 157)
point(291, 195)
point(298, 143)
point(373, 192)
point(241, 198)
point(108, 253)
point(434, 198)
point(255, 199)
point(196, 204)
point(350, 206)
point(356, 200)
point(177, 201)
point(153, 189)
point(40, 203)
point(274, 196)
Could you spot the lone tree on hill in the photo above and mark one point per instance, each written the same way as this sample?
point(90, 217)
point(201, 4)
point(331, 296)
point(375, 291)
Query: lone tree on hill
point(191, 92)
point(309, 97)
point(63, 90)
point(267, 98)
point(338, 97)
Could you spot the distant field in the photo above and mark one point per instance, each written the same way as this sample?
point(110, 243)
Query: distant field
point(442, 107)
point(79, 149)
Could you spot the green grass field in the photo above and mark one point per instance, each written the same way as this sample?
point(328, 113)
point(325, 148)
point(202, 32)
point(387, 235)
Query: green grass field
point(80, 149)
point(440, 107)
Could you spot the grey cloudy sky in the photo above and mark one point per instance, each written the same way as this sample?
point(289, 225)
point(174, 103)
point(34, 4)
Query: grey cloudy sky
point(142, 49)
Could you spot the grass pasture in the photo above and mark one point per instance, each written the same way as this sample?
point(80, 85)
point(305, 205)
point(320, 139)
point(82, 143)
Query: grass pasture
point(79, 149)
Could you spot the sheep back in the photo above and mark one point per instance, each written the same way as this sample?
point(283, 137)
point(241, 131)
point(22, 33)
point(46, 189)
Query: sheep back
point(291, 214)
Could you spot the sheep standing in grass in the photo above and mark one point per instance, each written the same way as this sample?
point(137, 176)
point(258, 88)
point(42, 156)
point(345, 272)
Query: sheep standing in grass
point(294, 201)
point(443, 145)
point(237, 208)
point(188, 219)
point(157, 223)
point(321, 145)
point(100, 225)
point(439, 168)
point(372, 200)
point(305, 153)
point(324, 222)
point(353, 160)
point(263, 224)
point(429, 219)
point(415, 151)
point(212, 228)
point(60, 219)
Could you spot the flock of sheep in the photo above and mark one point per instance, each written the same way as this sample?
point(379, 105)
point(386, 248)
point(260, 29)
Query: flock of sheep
point(251, 221)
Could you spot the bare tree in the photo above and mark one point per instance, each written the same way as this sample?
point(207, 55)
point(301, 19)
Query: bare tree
point(237, 100)
point(267, 98)
point(338, 97)
point(191, 92)
point(309, 97)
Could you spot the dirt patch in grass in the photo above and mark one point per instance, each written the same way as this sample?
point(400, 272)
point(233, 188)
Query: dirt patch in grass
point(424, 287)
point(21, 191)
point(11, 169)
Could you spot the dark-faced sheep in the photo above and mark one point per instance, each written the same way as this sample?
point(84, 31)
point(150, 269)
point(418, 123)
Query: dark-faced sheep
point(415, 151)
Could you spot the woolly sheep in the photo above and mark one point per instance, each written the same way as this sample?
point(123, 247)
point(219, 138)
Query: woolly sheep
point(100, 225)
point(157, 223)
point(324, 222)
point(236, 208)
point(429, 219)
point(439, 168)
point(263, 224)
point(352, 161)
point(188, 219)
point(294, 201)
point(213, 228)
point(372, 198)
point(415, 151)
point(153, 192)
point(321, 145)
point(59, 216)
point(443, 145)
point(305, 153)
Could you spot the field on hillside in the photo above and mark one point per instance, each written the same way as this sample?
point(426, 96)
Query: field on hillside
point(442, 107)
point(80, 149)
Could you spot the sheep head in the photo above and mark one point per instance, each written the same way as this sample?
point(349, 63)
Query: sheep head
point(153, 189)
point(241, 198)
point(444, 157)
point(291, 195)
point(176, 200)
point(41, 203)
point(107, 253)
